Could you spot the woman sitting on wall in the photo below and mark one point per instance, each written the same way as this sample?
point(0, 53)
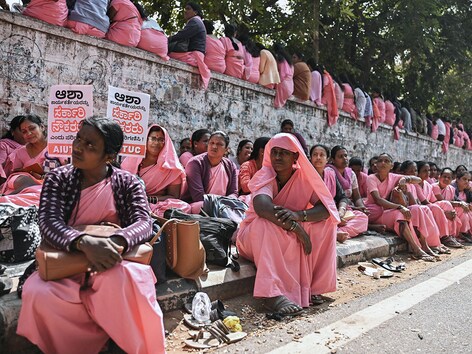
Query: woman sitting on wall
point(153, 39)
point(51, 11)
point(89, 17)
point(269, 73)
point(353, 222)
point(394, 215)
point(290, 229)
point(161, 171)
point(235, 53)
point(117, 299)
point(126, 22)
point(192, 42)
point(284, 64)
point(199, 143)
point(215, 51)
point(211, 173)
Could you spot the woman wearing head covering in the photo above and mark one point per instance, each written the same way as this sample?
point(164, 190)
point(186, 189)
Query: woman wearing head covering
point(117, 299)
point(290, 229)
point(194, 32)
point(161, 171)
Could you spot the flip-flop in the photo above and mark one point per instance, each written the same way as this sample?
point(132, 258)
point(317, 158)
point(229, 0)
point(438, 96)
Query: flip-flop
point(387, 264)
point(201, 340)
point(279, 303)
point(222, 333)
point(193, 323)
point(424, 257)
point(374, 271)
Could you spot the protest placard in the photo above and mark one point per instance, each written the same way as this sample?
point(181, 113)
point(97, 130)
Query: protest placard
point(131, 111)
point(68, 106)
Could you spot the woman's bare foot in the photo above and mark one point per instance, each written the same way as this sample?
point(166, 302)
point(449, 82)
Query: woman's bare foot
point(378, 228)
point(342, 236)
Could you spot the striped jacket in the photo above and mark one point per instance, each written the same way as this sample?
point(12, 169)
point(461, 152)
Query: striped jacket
point(60, 194)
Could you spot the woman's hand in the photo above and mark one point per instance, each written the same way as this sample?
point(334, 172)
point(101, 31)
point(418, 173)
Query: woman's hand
point(450, 214)
point(103, 253)
point(285, 215)
point(406, 212)
point(303, 238)
point(361, 208)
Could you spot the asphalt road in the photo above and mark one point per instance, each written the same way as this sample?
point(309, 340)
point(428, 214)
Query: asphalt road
point(430, 313)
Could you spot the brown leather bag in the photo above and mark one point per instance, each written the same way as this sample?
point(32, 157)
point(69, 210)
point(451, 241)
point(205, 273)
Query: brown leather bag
point(185, 254)
point(54, 264)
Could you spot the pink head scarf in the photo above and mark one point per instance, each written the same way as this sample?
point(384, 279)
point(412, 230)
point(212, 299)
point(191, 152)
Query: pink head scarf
point(267, 174)
point(167, 159)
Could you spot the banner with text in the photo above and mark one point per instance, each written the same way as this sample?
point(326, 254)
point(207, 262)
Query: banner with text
point(68, 106)
point(131, 111)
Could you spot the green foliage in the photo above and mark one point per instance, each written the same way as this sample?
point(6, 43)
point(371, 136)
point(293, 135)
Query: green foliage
point(417, 50)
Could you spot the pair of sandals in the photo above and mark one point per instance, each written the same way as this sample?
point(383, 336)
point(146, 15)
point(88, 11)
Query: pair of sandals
point(389, 264)
point(213, 335)
point(450, 241)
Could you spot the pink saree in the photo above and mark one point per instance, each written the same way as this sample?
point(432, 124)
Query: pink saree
point(234, 58)
point(60, 317)
point(153, 41)
point(379, 215)
point(282, 266)
point(389, 113)
point(349, 106)
point(50, 11)
point(167, 171)
point(125, 28)
point(354, 226)
point(285, 88)
point(438, 207)
point(329, 98)
point(465, 217)
point(7, 146)
point(215, 55)
point(196, 59)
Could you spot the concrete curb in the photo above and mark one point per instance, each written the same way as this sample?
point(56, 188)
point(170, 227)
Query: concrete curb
point(219, 283)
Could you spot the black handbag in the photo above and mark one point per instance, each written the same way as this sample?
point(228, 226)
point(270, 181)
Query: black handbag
point(19, 232)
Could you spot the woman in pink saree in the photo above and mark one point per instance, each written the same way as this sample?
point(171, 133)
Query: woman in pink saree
point(215, 51)
point(396, 217)
point(290, 229)
point(125, 23)
point(153, 39)
point(435, 222)
point(285, 88)
point(26, 162)
point(353, 222)
point(161, 171)
point(11, 141)
point(464, 195)
point(448, 223)
point(444, 190)
point(328, 98)
point(51, 11)
point(117, 298)
point(235, 53)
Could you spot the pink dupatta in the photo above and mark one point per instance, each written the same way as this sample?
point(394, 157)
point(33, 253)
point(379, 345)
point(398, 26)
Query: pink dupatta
point(329, 98)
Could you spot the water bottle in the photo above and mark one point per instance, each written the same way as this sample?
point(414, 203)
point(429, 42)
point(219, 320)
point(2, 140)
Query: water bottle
point(201, 307)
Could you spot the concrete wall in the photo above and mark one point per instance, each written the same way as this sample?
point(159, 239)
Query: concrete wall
point(35, 55)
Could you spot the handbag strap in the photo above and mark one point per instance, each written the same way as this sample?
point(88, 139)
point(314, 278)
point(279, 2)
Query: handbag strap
point(162, 227)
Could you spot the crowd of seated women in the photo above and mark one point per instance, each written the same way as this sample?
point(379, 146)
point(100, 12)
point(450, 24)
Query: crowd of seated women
point(299, 206)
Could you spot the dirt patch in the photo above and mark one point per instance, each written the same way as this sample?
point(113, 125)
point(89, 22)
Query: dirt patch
point(352, 284)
